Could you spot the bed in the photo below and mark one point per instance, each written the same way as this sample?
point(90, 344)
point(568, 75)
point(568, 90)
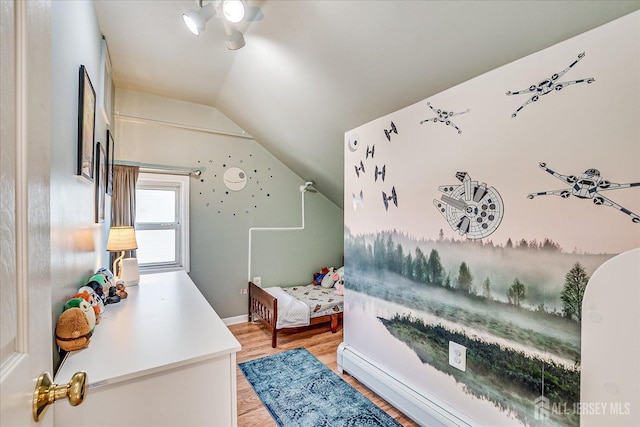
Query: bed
point(294, 308)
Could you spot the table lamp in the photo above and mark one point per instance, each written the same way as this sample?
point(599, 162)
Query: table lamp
point(121, 239)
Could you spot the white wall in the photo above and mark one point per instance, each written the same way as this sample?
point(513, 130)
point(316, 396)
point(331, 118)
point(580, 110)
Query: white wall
point(612, 388)
point(582, 127)
point(156, 130)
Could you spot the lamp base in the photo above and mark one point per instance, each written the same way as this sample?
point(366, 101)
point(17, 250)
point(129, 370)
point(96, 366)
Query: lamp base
point(117, 265)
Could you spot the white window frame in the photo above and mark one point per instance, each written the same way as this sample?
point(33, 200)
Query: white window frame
point(180, 183)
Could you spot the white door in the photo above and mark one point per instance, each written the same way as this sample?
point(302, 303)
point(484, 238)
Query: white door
point(25, 256)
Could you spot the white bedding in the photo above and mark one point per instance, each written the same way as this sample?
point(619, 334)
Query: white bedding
point(291, 311)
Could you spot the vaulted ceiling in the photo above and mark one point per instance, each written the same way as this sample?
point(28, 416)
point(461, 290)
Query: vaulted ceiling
point(312, 70)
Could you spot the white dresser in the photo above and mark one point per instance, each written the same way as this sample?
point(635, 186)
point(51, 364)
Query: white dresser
point(161, 357)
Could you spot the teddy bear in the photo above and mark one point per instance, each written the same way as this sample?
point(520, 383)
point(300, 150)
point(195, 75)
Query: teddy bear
point(73, 331)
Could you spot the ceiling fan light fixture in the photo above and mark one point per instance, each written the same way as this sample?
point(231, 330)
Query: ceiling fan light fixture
point(196, 20)
point(235, 40)
point(233, 10)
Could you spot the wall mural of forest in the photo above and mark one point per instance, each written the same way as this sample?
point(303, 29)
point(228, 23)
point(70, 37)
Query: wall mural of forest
point(459, 229)
point(509, 302)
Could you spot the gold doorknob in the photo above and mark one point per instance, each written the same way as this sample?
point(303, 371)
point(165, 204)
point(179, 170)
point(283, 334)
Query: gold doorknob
point(46, 392)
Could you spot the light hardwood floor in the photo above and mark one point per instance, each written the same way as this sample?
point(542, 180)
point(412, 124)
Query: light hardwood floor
point(319, 341)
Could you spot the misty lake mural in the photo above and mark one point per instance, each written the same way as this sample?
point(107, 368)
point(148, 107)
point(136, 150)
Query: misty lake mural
point(487, 237)
point(521, 325)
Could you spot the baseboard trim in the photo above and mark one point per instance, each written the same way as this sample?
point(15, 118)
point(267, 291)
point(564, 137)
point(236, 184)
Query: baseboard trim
point(419, 406)
point(235, 320)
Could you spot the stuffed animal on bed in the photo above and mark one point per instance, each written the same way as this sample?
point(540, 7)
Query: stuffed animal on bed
point(338, 278)
point(317, 277)
point(327, 280)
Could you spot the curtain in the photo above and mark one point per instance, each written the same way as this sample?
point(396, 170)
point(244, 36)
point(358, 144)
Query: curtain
point(123, 201)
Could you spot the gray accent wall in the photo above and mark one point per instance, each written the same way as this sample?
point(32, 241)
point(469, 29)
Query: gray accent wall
point(161, 131)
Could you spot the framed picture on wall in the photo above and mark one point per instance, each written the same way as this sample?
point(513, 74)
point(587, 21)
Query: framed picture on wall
point(110, 162)
point(86, 126)
point(104, 100)
point(100, 181)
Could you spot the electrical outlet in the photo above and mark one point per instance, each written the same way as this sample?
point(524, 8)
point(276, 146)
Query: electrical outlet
point(457, 356)
point(243, 291)
point(257, 281)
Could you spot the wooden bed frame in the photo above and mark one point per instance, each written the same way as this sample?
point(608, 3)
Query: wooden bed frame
point(265, 306)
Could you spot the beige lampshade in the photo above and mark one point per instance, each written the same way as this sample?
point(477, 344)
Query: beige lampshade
point(122, 239)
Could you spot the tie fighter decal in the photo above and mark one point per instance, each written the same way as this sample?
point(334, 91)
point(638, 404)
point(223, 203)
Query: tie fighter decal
point(388, 132)
point(370, 151)
point(357, 200)
point(393, 197)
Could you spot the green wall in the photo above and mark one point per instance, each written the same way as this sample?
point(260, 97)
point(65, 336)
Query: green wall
point(156, 130)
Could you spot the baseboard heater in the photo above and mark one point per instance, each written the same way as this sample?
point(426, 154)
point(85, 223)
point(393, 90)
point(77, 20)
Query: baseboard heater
point(417, 405)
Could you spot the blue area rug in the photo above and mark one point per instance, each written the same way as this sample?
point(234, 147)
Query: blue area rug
point(298, 391)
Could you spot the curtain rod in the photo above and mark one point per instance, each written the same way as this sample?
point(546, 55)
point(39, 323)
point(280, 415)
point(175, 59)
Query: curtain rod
point(163, 169)
point(135, 119)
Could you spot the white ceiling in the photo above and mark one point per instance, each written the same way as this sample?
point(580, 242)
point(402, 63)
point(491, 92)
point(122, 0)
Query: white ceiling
point(312, 70)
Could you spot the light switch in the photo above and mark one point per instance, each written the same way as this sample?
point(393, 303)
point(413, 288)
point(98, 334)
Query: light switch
point(457, 356)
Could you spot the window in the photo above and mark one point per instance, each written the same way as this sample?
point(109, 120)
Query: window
point(162, 222)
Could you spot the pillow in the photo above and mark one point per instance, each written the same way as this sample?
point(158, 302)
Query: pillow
point(327, 281)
